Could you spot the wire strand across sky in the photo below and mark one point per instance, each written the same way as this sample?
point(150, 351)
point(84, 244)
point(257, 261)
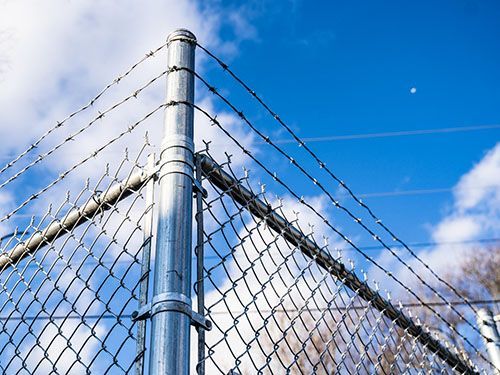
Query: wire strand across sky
point(401, 133)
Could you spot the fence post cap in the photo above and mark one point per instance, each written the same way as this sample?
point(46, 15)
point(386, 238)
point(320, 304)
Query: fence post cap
point(181, 34)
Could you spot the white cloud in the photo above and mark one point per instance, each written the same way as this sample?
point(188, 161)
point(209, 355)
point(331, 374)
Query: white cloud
point(480, 188)
point(457, 228)
point(476, 209)
point(474, 214)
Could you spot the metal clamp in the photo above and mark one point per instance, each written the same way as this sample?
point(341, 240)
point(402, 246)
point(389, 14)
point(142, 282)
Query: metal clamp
point(197, 188)
point(172, 302)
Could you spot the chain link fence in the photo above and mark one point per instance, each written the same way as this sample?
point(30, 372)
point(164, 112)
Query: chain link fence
point(281, 303)
point(71, 278)
point(275, 290)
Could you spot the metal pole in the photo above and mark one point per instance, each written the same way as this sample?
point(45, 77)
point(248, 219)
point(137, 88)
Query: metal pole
point(200, 256)
point(74, 218)
point(171, 304)
point(488, 328)
point(145, 268)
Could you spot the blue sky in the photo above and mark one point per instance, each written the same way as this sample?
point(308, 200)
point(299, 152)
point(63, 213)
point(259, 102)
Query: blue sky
point(341, 68)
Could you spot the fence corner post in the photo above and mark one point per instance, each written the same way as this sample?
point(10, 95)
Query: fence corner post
point(171, 301)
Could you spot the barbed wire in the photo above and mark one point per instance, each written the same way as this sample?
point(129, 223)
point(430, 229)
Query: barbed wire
point(72, 136)
point(84, 160)
point(59, 124)
point(303, 201)
point(366, 325)
point(336, 203)
point(321, 165)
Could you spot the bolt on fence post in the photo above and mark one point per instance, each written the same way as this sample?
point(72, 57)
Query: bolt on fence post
point(488, 328)
point(170, 329)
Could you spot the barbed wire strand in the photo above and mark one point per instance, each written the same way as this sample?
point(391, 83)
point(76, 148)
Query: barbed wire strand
point(72, 136)
point(59, 124)
point(322, 165)
point(328, 194)
point(326, 221)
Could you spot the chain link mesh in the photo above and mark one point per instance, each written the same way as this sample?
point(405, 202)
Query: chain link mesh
point(276, 308)
point(66, 304)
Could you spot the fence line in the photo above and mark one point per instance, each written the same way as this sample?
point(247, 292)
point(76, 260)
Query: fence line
point(303, 201)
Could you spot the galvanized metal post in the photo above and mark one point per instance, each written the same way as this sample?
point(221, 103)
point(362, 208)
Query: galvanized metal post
point(488, 328)
point(145, 267)
point(200, 281)
point(170, 329)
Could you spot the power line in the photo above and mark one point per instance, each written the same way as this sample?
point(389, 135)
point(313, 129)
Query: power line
point(400, 133)
point(363, 307)
point(420, 191)
point(355, 307)
point(380, 194)
point(375, 247)
point(329, 138)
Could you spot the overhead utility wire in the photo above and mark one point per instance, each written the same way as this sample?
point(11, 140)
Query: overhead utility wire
point(364, 248)
point(400, 133)
point(127, 316)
